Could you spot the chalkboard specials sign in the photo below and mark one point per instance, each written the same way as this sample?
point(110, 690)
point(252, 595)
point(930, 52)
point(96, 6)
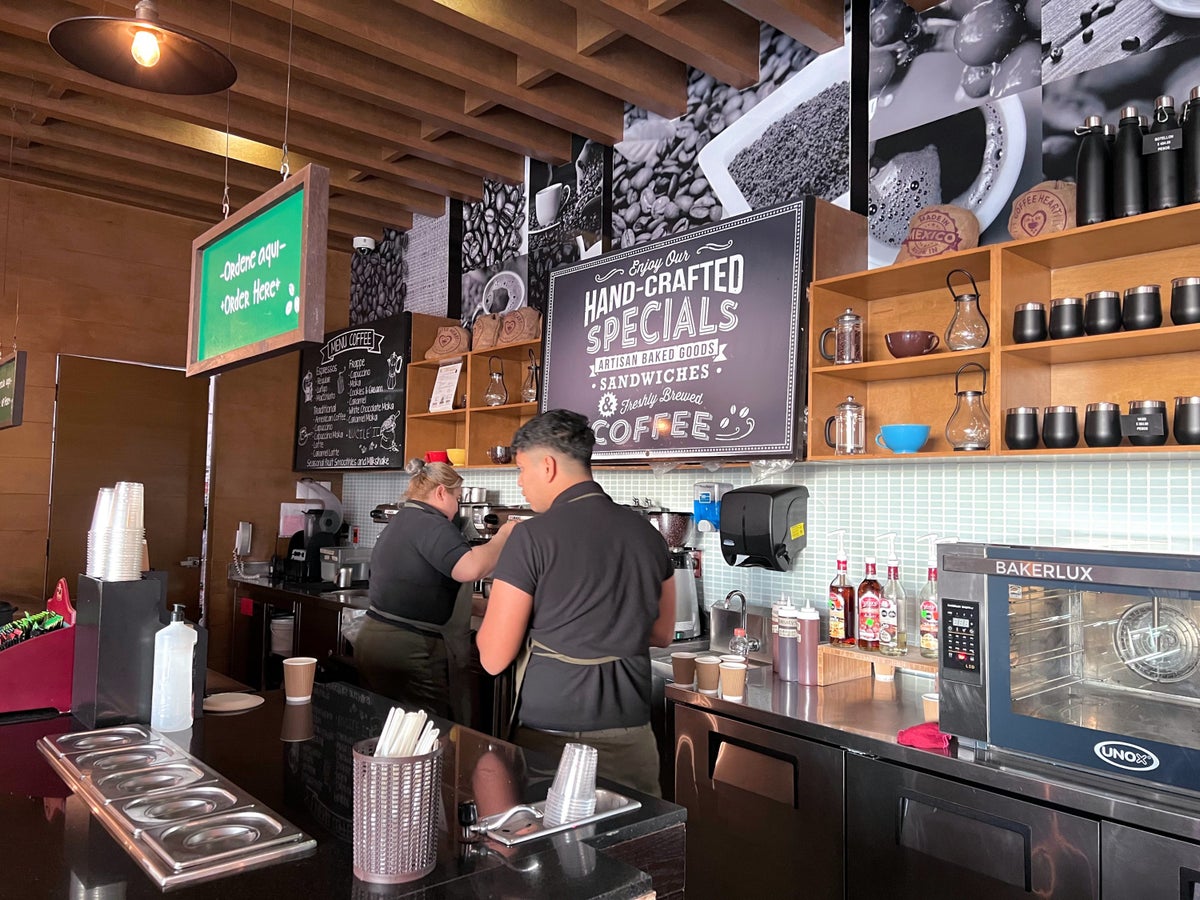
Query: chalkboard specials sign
point(689, 347)
point(258, 278)
point(12, 388)
point(350, 405)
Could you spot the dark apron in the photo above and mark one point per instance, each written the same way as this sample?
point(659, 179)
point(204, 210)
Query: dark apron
point(455, 633)
point(535, 647)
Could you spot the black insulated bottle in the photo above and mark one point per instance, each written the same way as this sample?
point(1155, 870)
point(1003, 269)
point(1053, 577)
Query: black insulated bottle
point(1163, 169)
point(1129, 168)
point(1191, 148)
point(1093, 173)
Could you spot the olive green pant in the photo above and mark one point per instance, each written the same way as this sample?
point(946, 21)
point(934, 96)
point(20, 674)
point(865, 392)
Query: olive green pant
point(628, 756)
point(410, 668)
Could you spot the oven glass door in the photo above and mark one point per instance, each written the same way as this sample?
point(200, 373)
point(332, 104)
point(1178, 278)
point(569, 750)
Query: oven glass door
point(1106, 676)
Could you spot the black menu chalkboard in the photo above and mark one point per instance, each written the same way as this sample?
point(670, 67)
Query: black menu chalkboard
point(690, 347)
point(350, 401)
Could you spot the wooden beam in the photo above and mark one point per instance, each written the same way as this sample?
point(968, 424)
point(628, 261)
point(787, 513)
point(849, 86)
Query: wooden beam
point(591, 34)
point(475, 104)
point(531, 74)
point(818, 24)
point(707, 34)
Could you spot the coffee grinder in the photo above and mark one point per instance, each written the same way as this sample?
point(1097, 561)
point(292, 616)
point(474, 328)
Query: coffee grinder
point(688, 622)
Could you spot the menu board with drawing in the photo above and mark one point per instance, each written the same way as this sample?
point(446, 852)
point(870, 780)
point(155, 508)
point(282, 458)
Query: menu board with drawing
point(350, 403)
point(12, 388)
point(690, 347)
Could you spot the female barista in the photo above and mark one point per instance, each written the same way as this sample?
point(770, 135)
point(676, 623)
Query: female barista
point(416, 636)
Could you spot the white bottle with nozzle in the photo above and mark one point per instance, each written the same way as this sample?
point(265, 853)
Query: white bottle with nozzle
point(174, 648)
point(893, 630)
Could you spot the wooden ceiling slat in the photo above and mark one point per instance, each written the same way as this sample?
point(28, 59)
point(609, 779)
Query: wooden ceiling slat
point(818, 24)
point(707, 34)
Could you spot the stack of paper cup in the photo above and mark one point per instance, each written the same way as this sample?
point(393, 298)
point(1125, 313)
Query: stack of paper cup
point(573, 794)
point(115, 541)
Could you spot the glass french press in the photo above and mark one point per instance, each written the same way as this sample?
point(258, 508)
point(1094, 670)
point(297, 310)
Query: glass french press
point(969, 427)
point(968, 329)
point(847, 333)
point(848, 426)
point(496, 394)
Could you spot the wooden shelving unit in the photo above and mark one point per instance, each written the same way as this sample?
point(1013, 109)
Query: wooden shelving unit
point(1156, 364)
point(474, 426)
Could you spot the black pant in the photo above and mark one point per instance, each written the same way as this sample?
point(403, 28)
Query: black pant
point(410, 668)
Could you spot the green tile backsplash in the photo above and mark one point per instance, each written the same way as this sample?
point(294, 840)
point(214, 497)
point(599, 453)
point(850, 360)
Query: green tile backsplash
point(1115, 502)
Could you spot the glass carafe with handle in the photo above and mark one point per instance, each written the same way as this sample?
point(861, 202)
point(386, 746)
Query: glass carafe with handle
point(968, 329)
point(845, 430)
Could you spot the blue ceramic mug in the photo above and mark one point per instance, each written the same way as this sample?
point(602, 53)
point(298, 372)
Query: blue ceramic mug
point(902, 438)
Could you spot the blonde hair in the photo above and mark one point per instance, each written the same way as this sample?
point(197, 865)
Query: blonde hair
point(426, 479)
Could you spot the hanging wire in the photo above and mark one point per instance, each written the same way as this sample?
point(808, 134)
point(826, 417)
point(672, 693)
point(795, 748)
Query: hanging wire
point(228, 91)
point(12, 139)
point(284, 168)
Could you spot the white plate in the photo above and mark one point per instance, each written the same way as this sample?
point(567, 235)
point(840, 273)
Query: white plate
point(828, 68)
point(512, 283)
point(220, 703)
point(1189, 9)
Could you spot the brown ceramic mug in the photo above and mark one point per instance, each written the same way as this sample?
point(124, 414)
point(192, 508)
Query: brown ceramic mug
point(903, 344)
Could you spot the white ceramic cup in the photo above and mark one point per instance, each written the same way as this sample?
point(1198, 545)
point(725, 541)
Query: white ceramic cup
point(548, 201)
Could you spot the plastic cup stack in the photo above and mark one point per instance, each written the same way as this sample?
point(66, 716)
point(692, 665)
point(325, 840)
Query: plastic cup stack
point(573, 794)
point(117, 537)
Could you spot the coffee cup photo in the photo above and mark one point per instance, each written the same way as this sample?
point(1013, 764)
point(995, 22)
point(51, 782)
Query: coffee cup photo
point(549, 201)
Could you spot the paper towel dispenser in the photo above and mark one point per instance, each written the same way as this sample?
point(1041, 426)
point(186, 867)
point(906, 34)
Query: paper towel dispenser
point(764, 526)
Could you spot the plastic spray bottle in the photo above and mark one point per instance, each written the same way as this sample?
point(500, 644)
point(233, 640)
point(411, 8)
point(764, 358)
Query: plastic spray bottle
point(842, 617)
point(171, 699)
point(893, 630)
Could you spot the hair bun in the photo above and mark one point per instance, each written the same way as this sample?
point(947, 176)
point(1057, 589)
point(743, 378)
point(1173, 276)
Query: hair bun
point(414, 465)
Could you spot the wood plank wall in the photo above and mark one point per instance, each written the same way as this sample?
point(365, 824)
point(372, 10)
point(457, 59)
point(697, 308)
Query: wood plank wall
point(96, 278)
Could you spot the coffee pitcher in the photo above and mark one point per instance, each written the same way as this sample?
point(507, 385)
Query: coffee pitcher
point(849, 425)
point(847, 332)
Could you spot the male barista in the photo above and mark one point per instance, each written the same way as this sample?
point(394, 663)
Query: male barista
point(585, 589)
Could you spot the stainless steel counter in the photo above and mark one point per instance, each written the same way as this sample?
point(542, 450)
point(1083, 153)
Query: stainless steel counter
point(863, 716)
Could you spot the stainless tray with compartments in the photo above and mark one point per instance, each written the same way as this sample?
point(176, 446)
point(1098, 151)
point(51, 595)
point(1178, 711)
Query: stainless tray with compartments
point(180, 821)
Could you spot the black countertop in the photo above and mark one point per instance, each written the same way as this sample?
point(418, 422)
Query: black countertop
point(54, 848)
point(864, 716)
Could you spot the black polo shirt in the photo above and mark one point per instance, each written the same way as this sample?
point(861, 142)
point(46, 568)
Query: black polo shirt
point(595, 571)
point(412, 562)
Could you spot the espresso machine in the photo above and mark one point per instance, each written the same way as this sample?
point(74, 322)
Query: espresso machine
point(678, 531)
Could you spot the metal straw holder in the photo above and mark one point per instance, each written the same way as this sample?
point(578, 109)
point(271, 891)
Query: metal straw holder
point(396, 807)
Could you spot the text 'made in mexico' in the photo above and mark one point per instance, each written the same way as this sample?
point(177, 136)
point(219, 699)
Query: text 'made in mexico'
point(687, 347)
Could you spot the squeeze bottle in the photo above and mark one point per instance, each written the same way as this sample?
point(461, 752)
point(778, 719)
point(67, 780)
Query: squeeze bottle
point(808, 636)
point(171, 701)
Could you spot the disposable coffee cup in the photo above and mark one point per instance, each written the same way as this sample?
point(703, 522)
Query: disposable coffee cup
point(732, 657)
point(683, 668)
point(297, 722)
point(733, 680)
point(708, 674)
point(929, 703)
point(298, 673)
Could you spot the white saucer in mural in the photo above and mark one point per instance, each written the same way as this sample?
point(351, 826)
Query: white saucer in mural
point(1188, 9)
point(504, 292)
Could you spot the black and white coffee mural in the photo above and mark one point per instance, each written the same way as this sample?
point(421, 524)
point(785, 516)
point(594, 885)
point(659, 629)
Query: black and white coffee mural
point(379, 278)
point(494, 227)
point(735, 150)
point(497, 289)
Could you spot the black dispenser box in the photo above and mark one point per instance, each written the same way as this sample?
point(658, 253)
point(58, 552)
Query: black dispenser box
point(115, 625)
point(764, 526)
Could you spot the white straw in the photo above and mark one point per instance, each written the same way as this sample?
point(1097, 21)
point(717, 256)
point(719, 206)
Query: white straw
point(385, 735)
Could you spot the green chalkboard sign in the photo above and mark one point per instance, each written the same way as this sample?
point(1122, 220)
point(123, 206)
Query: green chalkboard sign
point(258, 278)
point(12, 388)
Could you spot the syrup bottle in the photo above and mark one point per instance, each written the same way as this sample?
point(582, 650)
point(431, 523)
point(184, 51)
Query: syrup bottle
point(869, 595)
point(893, 630)
point(842, 618)
point(929, 604)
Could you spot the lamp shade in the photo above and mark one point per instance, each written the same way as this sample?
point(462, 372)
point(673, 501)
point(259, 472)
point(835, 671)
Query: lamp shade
point(102, 45)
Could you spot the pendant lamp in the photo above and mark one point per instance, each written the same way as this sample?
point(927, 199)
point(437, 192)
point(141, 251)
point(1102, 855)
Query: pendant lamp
point(142, 53)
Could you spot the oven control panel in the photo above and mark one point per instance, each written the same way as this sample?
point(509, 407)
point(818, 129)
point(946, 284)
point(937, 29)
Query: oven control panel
point(960, 639)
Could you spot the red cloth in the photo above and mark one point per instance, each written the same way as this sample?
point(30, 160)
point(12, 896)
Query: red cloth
point(924, 737)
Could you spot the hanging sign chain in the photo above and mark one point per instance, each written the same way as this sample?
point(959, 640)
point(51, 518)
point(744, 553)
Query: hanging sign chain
point(284, 168)
point(228, 91)
point(7, 216)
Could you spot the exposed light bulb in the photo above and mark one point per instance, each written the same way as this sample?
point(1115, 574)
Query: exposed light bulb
point(145, 49)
